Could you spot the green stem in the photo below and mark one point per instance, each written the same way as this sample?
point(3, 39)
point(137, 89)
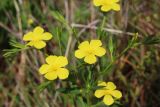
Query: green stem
point(59, 42)
point(97, 105)
point(103, 23)
point(102, 26)
point(88, 100)
point(112, 62)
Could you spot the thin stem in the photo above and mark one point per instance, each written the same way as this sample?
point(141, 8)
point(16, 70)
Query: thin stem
point(59, 41)
point(102, 26)
point(107, 68)
point(88, 100)
point(103, 23)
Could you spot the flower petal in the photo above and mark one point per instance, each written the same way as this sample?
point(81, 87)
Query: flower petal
point(31, 43)
point(99, 93)
point(62, 73)
point(51, 75)
point(46, 36)
point(39, 44)
point(115, 1)
point(101, 83)
point(116, 7)
point(90, 59)
point(95, 43)
point(116, 93)
point(108, 100)
point(61, 61)
point(79, 54)
point(84, 45)
point(99, 51)
point(44, 69)
point(28, 36)
point(111, 86)
point(51, 59)
point(97, 2)
point(106, 8)
point(38, 30)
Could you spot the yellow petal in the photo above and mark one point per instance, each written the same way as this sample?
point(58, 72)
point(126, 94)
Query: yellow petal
point(79, 54)
point(97, 2)
point(111, 86)
point(90, 59)
point(44, 69)
point(51, 59)
point(31, 43)
point(51, 75)
point(46, 36)
point(28, 36)
point(38, 30)
point(101, 83)
point(117, 94)
point(115, 1)
point(99, 93)
point(95, 43)
point(116, 7)
point(107, 2)
point(62, 73)
point(84, 45)
point(108, 100)
point(61, 61)
point(39, 44)
point(99, 51)
point(106, 8)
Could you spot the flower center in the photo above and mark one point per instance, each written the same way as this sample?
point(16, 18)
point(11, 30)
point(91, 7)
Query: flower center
point(108, 92)
point(90, 52)
point(36, 37)
point(54, 68)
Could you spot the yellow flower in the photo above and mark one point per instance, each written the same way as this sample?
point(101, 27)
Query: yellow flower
point(37, 37)
point(90, 51)
point(107, 5)
point(55, 68)
point(30, 21)
point(109, 92)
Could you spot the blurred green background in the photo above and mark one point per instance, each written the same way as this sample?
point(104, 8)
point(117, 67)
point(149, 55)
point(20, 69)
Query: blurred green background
point(137, 73)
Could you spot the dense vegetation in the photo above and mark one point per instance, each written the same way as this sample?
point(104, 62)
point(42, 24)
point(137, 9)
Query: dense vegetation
point(136, 70)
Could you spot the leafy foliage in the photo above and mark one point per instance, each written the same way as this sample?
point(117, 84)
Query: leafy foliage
point(151, 40)
point(17, 47)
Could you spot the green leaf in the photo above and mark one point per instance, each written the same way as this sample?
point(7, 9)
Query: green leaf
point(133, 41)
point(16, 44)
point(80, 102)
point(10, 52)
point(73, 90)
point(111, 47)
point(43, 85)
point(110, 44)
point(58, 16)
point(99, 104)
point(151, 40)
point(101, 33)
point(97, 87)
point(17, 47)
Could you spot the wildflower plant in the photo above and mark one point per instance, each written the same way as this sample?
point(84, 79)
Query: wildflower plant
point(55, 68)
point(89, 51)
point(107, 5)
point(37, 38)
point(81, 78)
point(109, 92)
